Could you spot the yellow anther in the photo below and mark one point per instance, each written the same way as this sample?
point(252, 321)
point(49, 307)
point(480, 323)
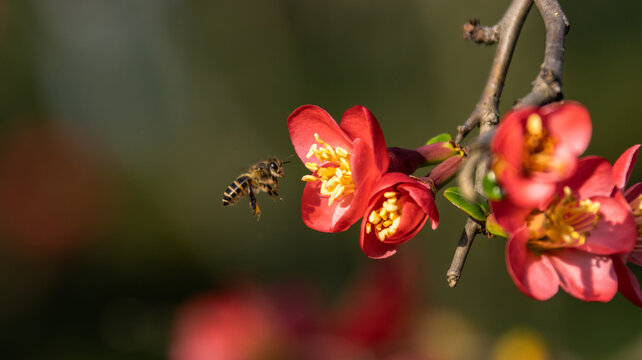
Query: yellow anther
point(312, 151)
point(374, 217)
point(566, 223)
point(534, 125)
point(390, 207)
point(335, 174)
point(390, 194)
point(387, 218)
point(312, 166)
point(309, 178)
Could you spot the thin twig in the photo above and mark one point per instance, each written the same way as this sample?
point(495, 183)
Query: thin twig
point(486, 113)
point(547, 87)
point(471, 229)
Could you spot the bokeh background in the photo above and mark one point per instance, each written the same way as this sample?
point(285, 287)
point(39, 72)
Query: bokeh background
point(122, 122)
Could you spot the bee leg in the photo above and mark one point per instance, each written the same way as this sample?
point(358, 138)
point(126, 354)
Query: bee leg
point(273, 191)
point(254, 206)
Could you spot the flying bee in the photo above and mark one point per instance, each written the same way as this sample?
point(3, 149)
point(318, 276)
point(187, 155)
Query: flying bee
point(262, 176)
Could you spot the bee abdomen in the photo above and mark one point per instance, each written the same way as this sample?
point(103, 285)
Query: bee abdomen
point(236, 190)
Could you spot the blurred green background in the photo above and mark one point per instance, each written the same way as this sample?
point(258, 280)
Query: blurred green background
point(122, 122)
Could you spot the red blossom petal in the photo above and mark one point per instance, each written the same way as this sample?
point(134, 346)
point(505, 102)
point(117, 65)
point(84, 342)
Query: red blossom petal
point(347, 209)
point(509, 138)
point(318, 215)
point(424, 198)
point(585, 276)
point(616, 230)
point(417, 205)
point(633, 192)
point(372, 246)
point(623, 166)
point(359, 123)
point(307, 120)
point(570, 123)
point(510, 216)
point(593, 177)
point(534, 275)
point(628, 284)
point(527, 192)
point(412, 220)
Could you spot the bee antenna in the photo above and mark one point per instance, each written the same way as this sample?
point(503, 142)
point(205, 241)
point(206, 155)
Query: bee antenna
point(286, 162)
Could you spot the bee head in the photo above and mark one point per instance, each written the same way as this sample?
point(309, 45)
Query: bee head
point(276, 167)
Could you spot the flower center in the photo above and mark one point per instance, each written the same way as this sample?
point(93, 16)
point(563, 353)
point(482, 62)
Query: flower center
point(334, 173)
point(385, 219)
point(566, 223)
point(539, 148)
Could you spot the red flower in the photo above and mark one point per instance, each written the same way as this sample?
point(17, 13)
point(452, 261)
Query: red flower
point(537, 147)
point(568, 241)
point(628, 284)
point(237, 325)
point(398, 209)
point(346, 161)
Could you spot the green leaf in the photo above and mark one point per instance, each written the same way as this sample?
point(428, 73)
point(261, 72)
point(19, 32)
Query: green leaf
point(494, 228)
point(439, 138)
point(478, 210)
point(491, 188)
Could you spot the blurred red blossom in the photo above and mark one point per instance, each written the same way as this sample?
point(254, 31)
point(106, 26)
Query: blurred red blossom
point(536, 147)
point(54, 189)
point(251, 323)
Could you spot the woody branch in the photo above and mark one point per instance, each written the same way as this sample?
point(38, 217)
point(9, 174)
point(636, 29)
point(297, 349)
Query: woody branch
point(545, 88)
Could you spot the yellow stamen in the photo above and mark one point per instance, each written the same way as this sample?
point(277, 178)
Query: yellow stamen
point(539, 148)
point(636, 206)
point(387, 217)
point(312, 166)
point(566, 223)
point(334, 172)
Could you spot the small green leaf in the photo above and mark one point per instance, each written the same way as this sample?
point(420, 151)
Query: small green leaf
point(491, 188)
point(494, 228)
point(476, 209)
point(439, 138)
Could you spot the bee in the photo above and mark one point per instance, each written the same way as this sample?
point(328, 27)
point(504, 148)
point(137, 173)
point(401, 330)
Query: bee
point(262, 176)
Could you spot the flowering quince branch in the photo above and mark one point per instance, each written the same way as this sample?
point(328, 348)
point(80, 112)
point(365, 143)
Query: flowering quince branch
point(485, 114)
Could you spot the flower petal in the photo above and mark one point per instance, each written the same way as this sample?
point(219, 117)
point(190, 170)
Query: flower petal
point(508, 141)
point(569, 122)
point(616, 230)
point(623, 166)
point(318, 215)
point(359, 123)
point(371, 245)
point(413, 219)
point(585, 276)
point(525, 192)
point(628, 284)
point(307, 120)
point(534, 275)
point(593, 177)
point(633, 192)
point(510, 216)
